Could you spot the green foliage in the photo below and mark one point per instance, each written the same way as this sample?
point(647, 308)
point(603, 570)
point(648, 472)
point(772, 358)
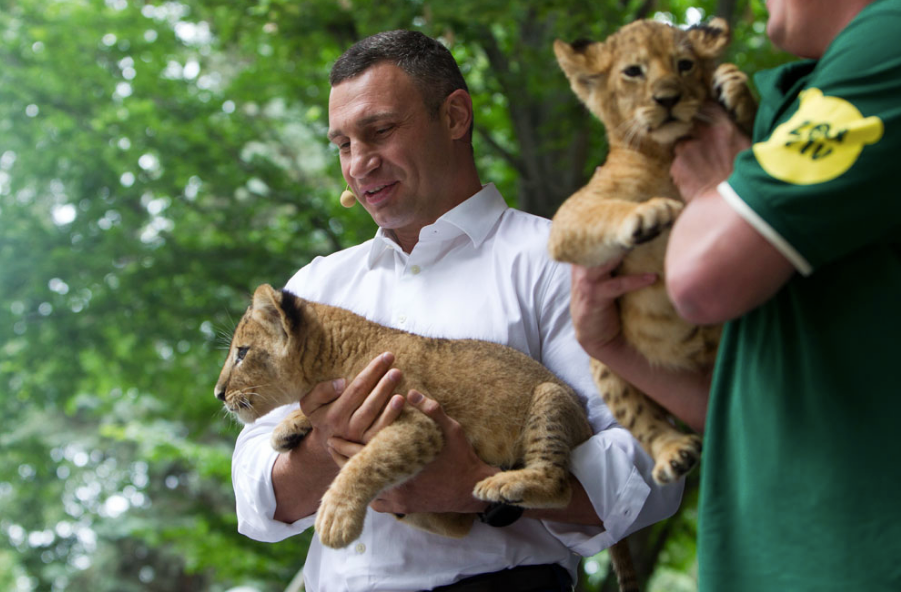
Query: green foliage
point(157, 161)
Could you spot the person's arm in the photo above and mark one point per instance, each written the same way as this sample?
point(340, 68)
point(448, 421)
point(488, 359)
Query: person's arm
point(611, 469)
point(596, 320)
point(432, 491)
point(299, 479)
point(580, 510)
point(277, 495)
point(718, 266)
point(301, 476)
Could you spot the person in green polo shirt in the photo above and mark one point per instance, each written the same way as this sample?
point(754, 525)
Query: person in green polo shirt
point(794, 238)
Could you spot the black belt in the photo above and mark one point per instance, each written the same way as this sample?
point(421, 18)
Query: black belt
point(525, 578)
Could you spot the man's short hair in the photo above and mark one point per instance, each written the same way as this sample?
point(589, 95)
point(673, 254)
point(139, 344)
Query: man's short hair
point(427, 62)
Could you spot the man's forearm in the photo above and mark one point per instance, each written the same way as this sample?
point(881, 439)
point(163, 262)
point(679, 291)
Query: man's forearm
point(299, 479)
point(683, 393)
point(579, 511)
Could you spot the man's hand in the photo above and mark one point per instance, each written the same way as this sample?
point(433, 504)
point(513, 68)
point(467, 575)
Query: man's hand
point(592, 306)
point(301, 476)
point(706, 159)
point(445, 484)
point(352, 412)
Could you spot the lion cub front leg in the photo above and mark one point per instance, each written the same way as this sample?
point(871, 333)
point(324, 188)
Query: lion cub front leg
point(730, 87)
point(395, 454)
point(288, 434)
point(591, 231)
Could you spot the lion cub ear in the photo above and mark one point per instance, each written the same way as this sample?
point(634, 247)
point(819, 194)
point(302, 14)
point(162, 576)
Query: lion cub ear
point(268, 310)
point(710, 40)
point(585, 63)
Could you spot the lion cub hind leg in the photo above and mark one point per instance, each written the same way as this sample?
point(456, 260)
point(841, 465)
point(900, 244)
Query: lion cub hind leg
point(395, 454)
point(555, 425)
point(674, 453)
point(290, 431)
point(590, 231)
point(730, 87)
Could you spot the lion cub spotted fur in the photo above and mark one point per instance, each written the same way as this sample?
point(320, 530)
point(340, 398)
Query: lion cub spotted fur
point(516, 414)
point(646, 83)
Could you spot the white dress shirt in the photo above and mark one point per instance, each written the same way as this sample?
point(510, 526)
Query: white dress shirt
point(481, 271)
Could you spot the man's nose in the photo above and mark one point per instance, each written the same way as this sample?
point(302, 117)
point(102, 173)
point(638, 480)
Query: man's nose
point(363, 162)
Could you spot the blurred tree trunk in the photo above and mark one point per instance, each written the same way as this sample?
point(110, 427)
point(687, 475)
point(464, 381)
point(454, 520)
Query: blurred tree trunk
point(726, 10)
point(551, 158)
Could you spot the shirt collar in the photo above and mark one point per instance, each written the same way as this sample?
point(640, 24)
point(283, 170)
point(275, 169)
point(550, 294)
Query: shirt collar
point(475, 218)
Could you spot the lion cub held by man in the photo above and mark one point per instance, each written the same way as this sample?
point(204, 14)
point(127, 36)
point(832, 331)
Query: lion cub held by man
point(516, 414)
point(646, 83)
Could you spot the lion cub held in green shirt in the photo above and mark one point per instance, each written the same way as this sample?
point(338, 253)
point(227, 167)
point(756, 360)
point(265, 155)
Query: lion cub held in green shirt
point(647, 83)
point(514, 411)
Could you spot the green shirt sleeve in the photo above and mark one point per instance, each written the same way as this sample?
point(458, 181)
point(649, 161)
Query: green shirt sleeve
point(822, 172)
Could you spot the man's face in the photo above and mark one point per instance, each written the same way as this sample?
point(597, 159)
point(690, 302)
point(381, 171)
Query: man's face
point(395, 156)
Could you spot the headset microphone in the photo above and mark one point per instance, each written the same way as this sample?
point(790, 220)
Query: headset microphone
point(348, 199)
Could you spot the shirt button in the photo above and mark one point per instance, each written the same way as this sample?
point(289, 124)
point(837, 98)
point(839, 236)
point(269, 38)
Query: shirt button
point(360, 548)
point(402, 319)
point(415, 270)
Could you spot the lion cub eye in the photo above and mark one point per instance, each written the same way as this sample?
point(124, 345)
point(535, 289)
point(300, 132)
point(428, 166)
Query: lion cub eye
point(685, 66)
point(632, 71)
point(242, 351)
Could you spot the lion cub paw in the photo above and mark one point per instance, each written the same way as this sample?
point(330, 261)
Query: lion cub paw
point(730, 87)
point(339, 522)
point(648, 220)
point(677, 458)
point(530, 488)
point(288, 434)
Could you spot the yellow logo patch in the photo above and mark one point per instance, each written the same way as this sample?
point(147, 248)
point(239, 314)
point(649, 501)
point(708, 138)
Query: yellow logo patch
point(820, 142)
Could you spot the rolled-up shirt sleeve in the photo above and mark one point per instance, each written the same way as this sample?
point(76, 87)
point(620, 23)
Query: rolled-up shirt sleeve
point(252, 463)
point(616, 474)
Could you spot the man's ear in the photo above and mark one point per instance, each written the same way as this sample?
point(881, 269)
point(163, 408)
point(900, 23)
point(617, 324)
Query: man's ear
point(267, 310)
point(458, 113)
point(709, 41)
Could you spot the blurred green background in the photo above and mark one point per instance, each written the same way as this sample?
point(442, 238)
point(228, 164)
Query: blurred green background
point(158, 160)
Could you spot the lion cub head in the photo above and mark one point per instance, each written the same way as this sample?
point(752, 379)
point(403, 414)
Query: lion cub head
point(648, 80)
point(262, 371)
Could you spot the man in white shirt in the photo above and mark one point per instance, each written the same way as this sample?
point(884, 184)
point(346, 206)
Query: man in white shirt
point(450, 260)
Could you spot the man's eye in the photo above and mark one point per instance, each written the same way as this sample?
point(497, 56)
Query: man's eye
point(384, 130)
point(242, 351)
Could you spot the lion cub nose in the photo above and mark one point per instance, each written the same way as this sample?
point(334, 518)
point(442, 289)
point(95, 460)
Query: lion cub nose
point(220, 394)
point(667, 102)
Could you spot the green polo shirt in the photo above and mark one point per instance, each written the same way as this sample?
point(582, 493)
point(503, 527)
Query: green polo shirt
point(801, 480)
